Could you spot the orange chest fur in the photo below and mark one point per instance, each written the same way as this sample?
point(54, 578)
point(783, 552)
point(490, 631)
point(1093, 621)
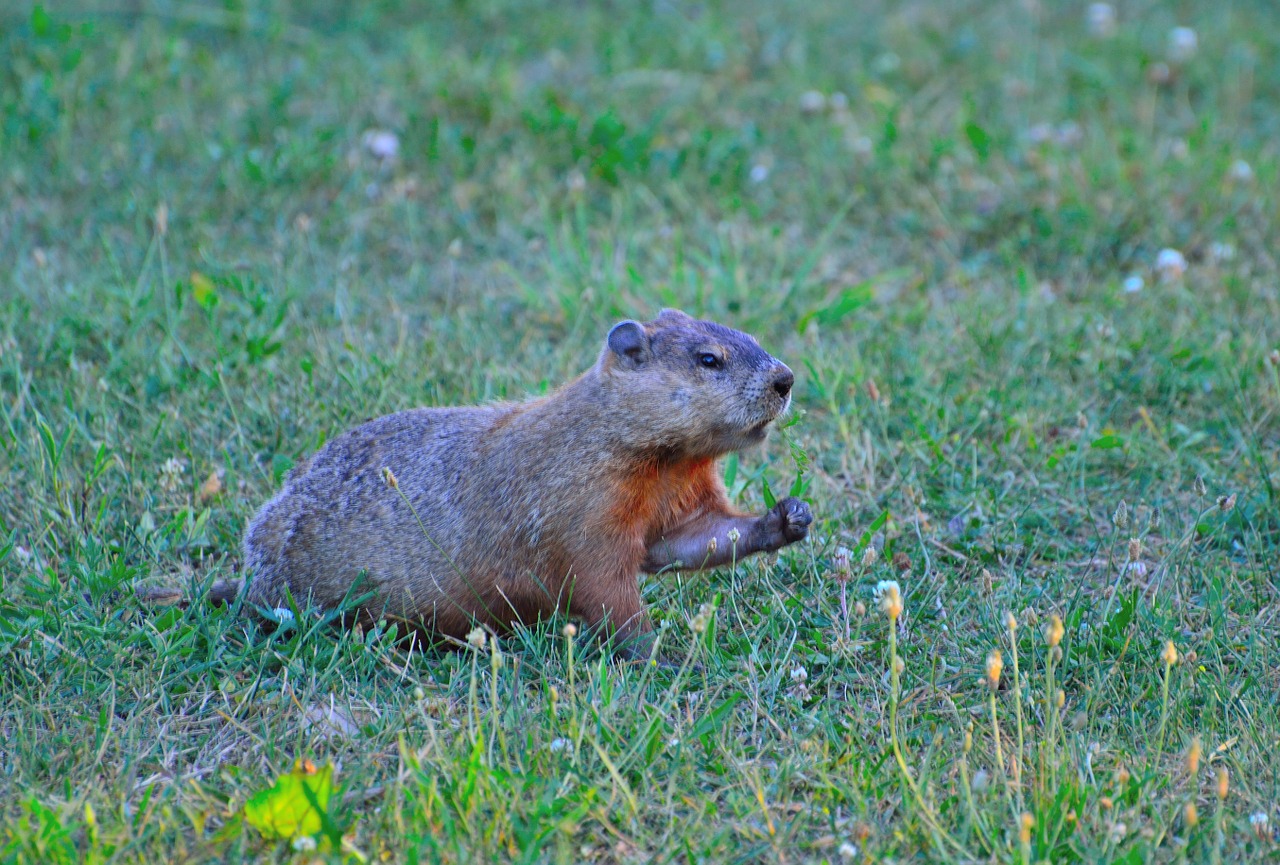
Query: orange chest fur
point(654, 497)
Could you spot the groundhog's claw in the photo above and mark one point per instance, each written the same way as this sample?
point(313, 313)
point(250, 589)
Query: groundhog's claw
point(787, 523)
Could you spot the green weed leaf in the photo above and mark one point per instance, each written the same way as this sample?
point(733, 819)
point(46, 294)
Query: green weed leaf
point(204, 291)
point(297, 804)
point(715, 719)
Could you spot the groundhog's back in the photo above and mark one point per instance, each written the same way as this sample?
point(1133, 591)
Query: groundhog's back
point(337, 516)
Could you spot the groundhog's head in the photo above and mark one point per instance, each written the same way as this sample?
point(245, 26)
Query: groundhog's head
point(699, 387)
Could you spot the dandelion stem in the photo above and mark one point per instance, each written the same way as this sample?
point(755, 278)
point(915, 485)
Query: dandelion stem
point(995, 735)
point(1017, 707)
point(473, 716)
point(968, 793)
point(1164, 715)
point(844, 609)
point(1050, 746)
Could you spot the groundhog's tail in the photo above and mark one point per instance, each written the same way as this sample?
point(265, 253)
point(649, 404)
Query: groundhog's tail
point(225, 591)
point(220, 592)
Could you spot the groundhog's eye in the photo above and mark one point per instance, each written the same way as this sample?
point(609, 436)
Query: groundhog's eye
point(709, 360)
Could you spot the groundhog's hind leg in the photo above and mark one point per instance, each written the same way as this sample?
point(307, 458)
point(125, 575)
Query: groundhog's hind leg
point(614, 612)
point(718, 537)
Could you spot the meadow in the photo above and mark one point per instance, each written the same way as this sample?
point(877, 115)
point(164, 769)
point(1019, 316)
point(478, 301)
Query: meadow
point(1021, 255)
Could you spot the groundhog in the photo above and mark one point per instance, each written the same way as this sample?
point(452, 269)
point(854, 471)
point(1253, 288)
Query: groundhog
point(504, 514)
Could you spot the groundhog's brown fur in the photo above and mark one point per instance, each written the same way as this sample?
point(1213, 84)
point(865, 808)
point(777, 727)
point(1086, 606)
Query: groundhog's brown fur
point(520, 510)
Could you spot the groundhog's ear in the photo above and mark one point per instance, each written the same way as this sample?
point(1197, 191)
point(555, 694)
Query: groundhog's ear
point(629, 344)
point(674, 316)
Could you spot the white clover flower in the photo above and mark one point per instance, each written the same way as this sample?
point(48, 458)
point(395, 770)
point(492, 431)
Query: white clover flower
point(841, 564)
point(700, 622)
point(1068, 134)
point(1220, 252)
point(1133, 284)
point(1171, 265)
point(1101, 20)
point(1240, 172)
point(558, 745)
point(1179, 149)
point(887, 63)
point(812, 101)
point(381, 143)
point(1039, 133)
point(304, 844)
point(171, 474)
point(1183, 43)
point(799, 674)
point(861, 145)
point(282, 614)
point(848, 852)
point(759, 173)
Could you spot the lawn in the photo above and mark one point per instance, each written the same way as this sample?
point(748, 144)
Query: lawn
point(1021, 256)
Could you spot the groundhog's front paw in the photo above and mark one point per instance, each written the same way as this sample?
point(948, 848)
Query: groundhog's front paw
point(787, 523)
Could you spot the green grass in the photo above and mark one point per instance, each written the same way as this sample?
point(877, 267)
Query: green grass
point(206, 274)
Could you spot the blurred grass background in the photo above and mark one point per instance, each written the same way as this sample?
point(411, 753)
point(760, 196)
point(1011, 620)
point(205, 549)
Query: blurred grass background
point(232, 230)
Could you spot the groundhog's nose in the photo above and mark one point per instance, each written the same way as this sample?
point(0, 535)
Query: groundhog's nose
point(782, 381)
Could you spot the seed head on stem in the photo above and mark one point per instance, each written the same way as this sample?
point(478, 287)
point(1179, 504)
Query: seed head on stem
point(1053, 633)
point(889, 598)
point(842, 565)
point(995, 666)
point(1025, 825)
point(1120, 519)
